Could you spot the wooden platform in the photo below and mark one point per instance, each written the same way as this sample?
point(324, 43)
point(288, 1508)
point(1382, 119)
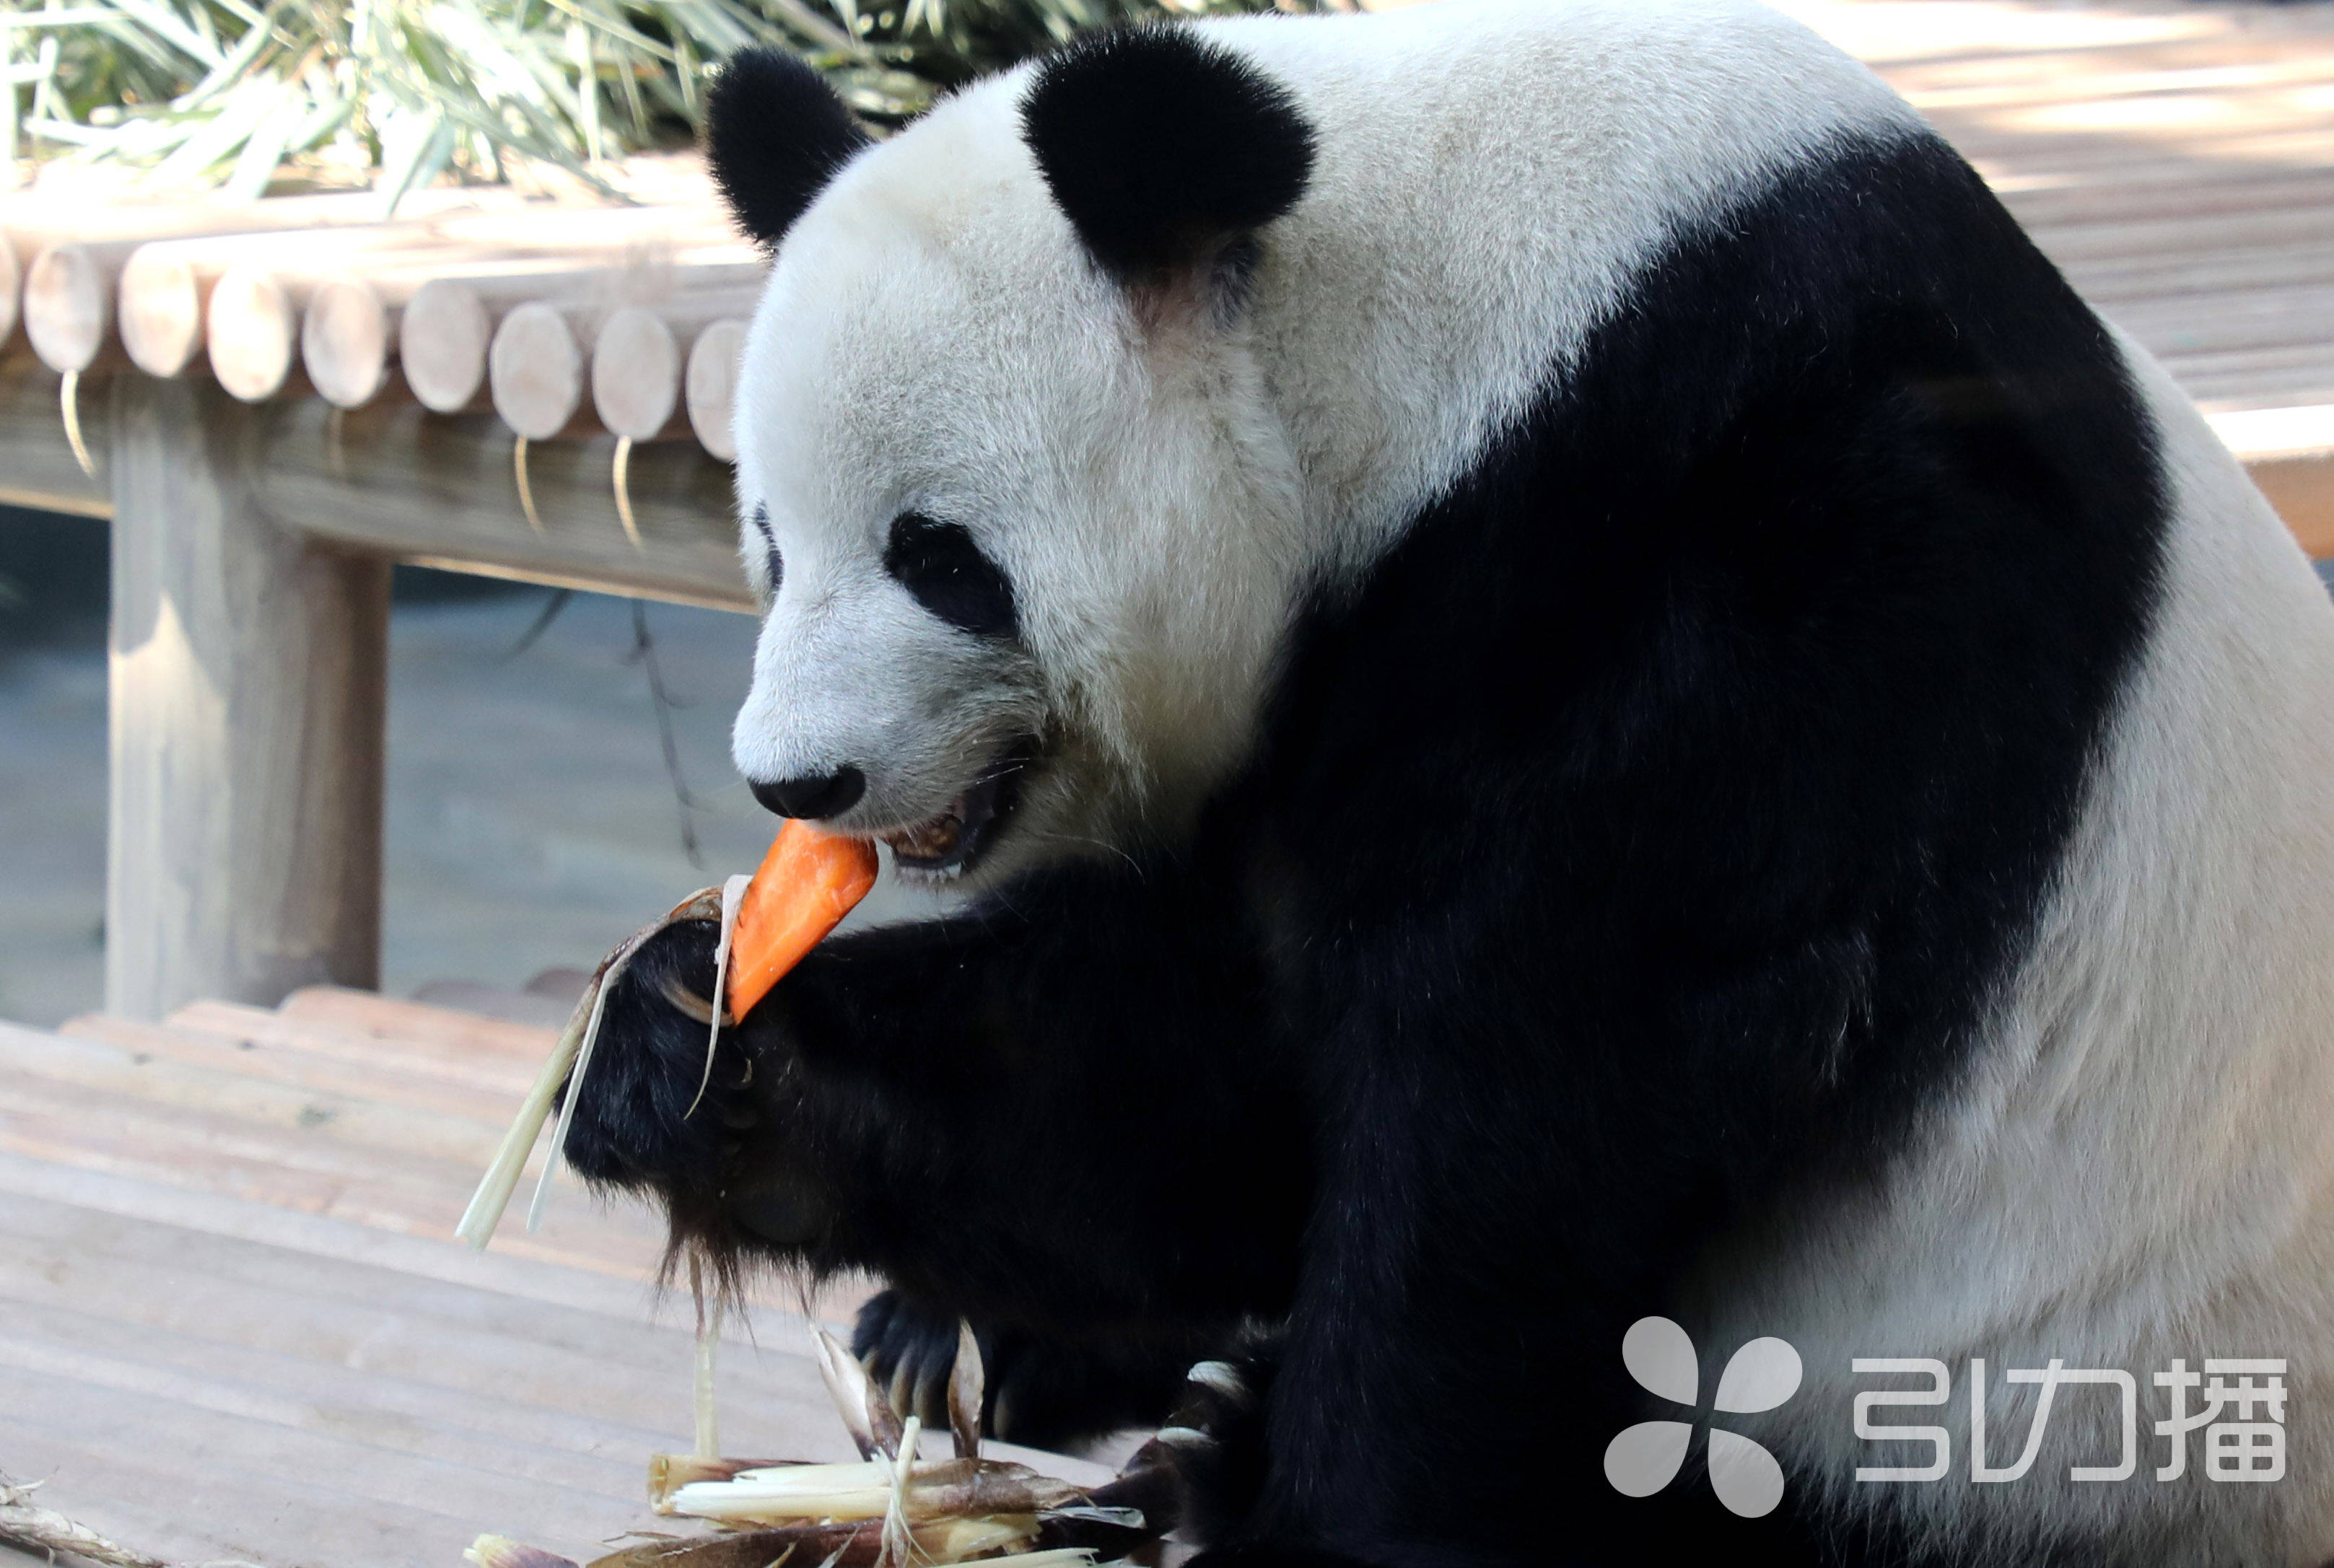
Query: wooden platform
point(339, 1103)
point(233, 1323)
point(2176, 159)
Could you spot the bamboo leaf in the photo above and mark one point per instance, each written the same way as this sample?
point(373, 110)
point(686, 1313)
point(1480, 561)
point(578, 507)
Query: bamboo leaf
point(263, 149)
point(164, 23)
point(184, 86)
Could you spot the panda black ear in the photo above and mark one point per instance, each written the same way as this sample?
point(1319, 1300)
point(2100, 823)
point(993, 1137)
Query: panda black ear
point(1161, 147)
point(774, 134)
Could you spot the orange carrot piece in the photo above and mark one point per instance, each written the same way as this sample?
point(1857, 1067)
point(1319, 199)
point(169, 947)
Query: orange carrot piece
point(808, 882)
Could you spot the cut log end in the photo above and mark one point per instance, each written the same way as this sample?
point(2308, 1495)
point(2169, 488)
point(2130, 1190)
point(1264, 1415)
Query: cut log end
point(344, 342)
point(68, 307)
point(636, 373)
point(161, 312)
point(11, 287)
point(535, 372)
point(254, 332)
point(713, 385)
point(441, 344)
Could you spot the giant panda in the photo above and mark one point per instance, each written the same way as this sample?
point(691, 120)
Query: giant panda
point(1566, 687)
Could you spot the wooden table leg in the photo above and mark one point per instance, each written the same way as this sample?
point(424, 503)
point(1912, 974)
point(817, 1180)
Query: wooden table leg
point(248, 691)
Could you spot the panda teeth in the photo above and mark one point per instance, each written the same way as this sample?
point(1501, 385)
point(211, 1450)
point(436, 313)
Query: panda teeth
point(935, 840)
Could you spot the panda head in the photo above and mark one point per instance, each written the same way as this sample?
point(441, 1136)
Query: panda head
point(1022, 519)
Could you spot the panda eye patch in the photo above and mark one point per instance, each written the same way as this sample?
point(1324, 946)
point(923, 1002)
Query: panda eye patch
point(770, 555)
point(940, 565)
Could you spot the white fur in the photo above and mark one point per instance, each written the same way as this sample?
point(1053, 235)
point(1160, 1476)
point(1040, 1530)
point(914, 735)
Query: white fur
point(2141, 1169)
point(934, 338)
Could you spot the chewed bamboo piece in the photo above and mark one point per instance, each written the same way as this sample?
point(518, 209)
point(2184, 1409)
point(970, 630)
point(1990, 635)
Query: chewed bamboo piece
point(872, 1489)
point(568, 1058)
point(46, 1535)
point(708, 1342)
point(806, 884)
point(819, 1546)
point(733, 894)
point(889, 1509)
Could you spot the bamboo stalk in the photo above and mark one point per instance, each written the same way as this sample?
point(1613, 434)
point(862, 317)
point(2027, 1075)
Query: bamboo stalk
point(709, 1342)
point(501, 1181)
point(502, 1552)
point(864, 1489)
point(568, 1060)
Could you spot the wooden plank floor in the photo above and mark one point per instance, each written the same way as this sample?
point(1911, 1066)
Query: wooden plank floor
point(205, 1377)
point(339, 1103)
point(233, 1323)
point(2175, 158)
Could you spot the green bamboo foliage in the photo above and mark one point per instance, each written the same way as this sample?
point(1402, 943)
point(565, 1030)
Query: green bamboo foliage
point(239, 92)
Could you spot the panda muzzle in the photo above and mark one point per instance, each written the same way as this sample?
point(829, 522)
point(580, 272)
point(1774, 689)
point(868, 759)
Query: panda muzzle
point(955, 835)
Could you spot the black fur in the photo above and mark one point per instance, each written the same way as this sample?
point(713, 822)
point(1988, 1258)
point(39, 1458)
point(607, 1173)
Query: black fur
point(940, 565)
point(772, 561)
point(1044, 1393)
point(1645, 838)
point(1159, 146)
point(774, 134)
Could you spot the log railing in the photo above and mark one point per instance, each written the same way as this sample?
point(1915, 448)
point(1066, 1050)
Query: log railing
point(273, 402)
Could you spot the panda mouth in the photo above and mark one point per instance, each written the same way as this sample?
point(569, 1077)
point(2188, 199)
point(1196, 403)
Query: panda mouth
point(952, 838)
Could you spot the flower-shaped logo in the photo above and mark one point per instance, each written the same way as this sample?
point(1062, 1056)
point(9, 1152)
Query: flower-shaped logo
point(1647, 1458)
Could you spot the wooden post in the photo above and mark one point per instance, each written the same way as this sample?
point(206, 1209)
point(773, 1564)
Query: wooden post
point(248, 691)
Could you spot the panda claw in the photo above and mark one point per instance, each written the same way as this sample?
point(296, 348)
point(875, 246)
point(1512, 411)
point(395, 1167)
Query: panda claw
point(688, 1003)
point(902, 1390)
point(1000, 1415)
point(1224, 1379)
point(1185, 1438)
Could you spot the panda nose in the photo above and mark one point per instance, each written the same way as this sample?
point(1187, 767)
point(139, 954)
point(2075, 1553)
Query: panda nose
point(816, 796)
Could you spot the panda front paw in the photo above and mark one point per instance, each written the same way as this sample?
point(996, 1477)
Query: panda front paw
point(1206, 1466)
point(910, 1351)
point(649, 1112)
point(1042, 1392)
